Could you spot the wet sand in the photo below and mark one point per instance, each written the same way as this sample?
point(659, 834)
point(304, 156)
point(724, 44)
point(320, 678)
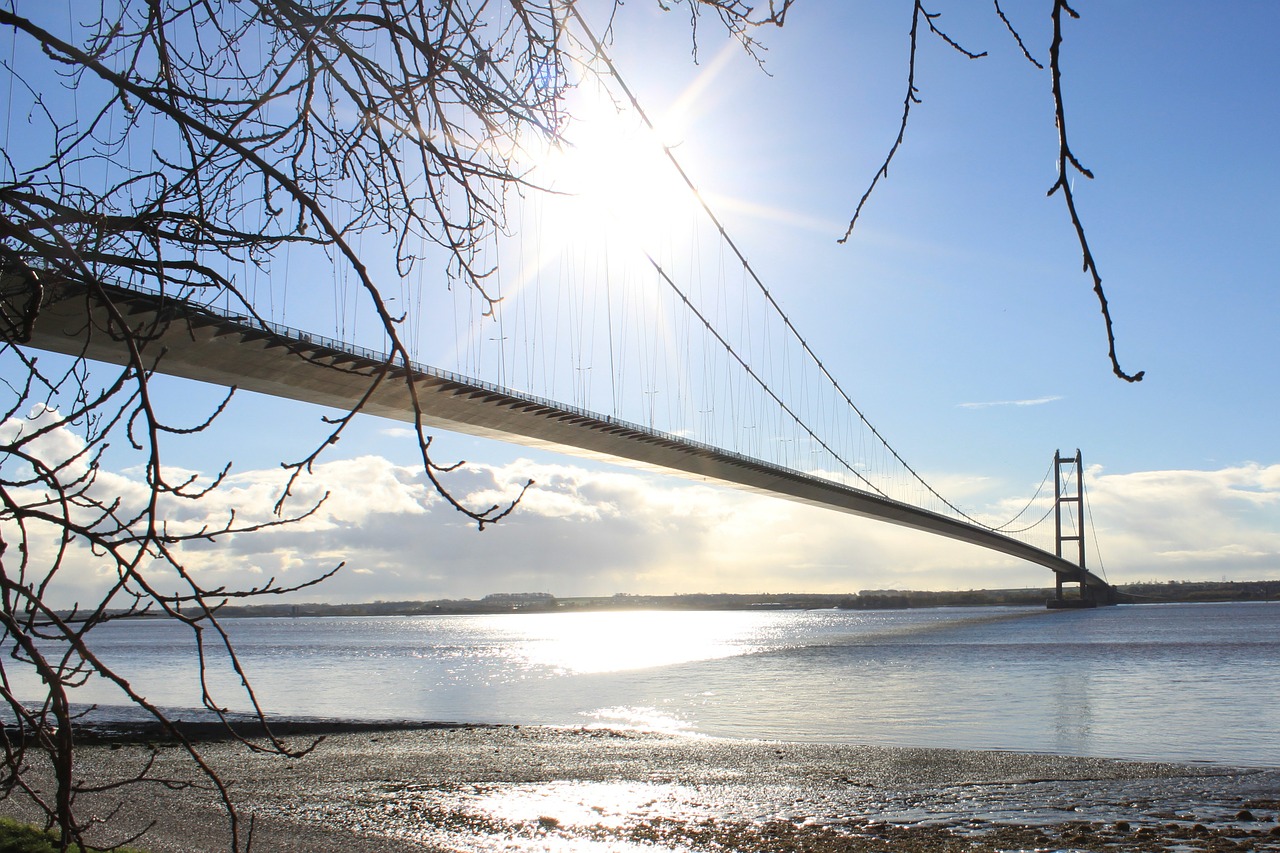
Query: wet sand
point(510, 788)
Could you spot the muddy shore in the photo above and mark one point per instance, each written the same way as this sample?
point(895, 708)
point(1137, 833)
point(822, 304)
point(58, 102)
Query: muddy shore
point(510, 788)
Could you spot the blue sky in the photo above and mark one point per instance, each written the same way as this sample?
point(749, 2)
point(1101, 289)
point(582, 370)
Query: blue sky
point(957, 316)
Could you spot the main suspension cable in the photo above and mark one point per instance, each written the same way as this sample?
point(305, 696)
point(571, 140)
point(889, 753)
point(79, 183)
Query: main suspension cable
point(600, 53)
point(1097, 550)
point(662, 273)
point(1004, 527)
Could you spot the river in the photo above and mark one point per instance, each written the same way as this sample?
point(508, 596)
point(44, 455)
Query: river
point(1177, 682)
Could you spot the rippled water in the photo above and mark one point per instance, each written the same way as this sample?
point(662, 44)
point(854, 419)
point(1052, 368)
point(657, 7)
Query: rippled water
point(1175, 682)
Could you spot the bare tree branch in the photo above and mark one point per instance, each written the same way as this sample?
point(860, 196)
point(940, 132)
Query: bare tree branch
point(912, 97)
point(1067, 158)
point(180, 147)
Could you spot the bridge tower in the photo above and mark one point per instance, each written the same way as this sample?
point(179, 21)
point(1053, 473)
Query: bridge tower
point(1074, 477)
point(1071, 500)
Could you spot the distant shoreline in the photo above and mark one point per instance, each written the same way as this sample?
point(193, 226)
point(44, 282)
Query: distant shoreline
point(1134, 593)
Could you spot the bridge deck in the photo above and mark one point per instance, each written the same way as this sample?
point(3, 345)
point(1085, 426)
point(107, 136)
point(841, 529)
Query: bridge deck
point(198, 343)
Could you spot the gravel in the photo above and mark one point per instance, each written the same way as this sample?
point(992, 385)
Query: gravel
point(512, 788)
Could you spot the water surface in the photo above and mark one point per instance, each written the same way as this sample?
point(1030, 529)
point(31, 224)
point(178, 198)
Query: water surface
point(1165, 682)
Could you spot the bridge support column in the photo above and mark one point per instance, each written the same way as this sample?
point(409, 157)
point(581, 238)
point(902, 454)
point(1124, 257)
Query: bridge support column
point(1069, 499)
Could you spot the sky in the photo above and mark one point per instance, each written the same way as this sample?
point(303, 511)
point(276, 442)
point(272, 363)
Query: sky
point(957, 316)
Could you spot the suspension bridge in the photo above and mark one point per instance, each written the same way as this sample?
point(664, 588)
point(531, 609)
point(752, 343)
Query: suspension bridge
point(630, 342)
point(184, 338)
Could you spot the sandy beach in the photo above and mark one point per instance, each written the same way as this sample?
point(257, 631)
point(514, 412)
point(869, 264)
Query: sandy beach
point(511, 788)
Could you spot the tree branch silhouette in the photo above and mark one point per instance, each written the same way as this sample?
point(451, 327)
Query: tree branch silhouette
point(177, 148)
point(1066, 160)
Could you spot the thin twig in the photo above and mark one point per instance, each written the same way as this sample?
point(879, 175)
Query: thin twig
point(1067, 158)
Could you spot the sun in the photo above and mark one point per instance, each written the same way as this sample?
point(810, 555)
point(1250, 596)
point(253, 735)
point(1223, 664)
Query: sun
point(611, 177)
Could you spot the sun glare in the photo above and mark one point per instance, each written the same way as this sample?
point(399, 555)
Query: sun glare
point(610, 178)
point(614, 642)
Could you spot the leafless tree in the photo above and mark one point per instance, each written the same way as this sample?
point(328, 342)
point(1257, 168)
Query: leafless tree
point(171, 146)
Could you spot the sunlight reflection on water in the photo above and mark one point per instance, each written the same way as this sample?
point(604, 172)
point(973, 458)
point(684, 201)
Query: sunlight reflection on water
point(1166, 682)
point(615, 642)
point(645, 719)
point(555, 817)
point(578, 804)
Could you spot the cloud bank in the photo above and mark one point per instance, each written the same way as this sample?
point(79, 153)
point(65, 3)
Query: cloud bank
point(587, 532)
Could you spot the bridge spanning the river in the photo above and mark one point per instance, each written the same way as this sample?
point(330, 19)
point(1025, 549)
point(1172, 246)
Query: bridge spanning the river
point(613, 316)
point(188, 339)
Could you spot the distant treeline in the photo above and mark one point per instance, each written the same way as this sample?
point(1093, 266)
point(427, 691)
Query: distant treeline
point(1201, 591)
point(876, 599)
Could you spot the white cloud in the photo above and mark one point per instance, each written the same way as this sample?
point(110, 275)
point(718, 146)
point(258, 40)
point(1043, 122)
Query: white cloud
point(584, 532)
point(1185, 524)
point(1035, 401)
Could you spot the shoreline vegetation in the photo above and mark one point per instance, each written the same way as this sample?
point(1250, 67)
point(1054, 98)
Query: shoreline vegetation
point(889, 599)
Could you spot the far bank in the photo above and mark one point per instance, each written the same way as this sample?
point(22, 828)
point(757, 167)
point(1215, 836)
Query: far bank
point(1146, 592)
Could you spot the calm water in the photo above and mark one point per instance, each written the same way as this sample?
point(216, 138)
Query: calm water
point(1178, 682)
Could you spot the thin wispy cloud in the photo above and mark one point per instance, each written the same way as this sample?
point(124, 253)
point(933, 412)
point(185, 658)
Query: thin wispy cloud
point(1036, 401)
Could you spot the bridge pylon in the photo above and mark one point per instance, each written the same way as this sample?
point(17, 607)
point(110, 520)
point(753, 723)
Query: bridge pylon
point(1069, 500)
